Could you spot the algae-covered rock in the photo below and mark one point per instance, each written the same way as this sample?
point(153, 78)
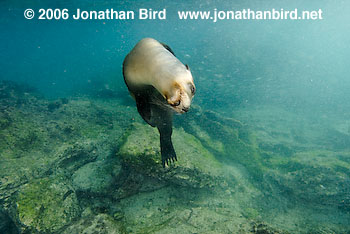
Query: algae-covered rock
point(317, 177)
point(176, 209)
point(96, 177)
point(196, 166)
point(227, 137)
point(73, 156)
point(93, 224)
point(46, 205)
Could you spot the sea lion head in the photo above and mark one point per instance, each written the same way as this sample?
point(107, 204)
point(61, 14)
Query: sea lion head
point(182, 92)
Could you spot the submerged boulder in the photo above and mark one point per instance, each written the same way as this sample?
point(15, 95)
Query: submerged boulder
point(319, 178)
point(94, 223)
point(196, 166)
point(96, 177)
point(46, 205)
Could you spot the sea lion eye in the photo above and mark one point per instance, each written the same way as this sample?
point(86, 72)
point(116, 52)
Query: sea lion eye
point(176, 103)
point(193, 89)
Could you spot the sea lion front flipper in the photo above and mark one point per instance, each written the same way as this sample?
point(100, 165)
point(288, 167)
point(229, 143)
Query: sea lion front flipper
point(161, 118)
point(165, 128)
point(144, 109)
point(167, 148)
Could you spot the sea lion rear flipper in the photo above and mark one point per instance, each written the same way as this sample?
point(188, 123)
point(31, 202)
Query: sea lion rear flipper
point(168, 48)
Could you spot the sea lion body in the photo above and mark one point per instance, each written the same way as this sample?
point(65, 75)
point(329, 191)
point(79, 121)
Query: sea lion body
point(160, 85)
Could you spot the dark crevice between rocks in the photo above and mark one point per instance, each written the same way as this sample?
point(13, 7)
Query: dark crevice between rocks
point(7, 225)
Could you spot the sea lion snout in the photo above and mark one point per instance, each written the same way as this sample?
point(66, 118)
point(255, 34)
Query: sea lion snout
point(180, 103)
point(185, 109)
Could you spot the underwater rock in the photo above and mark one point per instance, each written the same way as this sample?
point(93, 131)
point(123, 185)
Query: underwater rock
point(52, 106)
point(176, 209)
point(47, 205)
point(5, 120)
point(15, 91)
point(280, 149)
point(337, 140)
point(227, 138)
point(72, 157)
point(313, 178)
point(96, 177)
point(261, 228)
point(196, 166)
point(64, 101)
point(95, 224)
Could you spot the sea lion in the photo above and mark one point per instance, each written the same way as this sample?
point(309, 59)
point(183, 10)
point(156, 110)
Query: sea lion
point(160, 85)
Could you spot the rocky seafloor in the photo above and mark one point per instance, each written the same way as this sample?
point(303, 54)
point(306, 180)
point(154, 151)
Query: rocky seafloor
point(91, 165)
